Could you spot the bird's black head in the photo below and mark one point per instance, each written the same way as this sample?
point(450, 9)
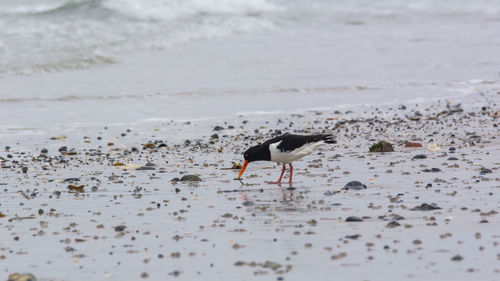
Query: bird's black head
point(257, 153)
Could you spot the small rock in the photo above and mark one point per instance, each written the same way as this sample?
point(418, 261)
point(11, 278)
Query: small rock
point(145, 168)
point(72, 179)
point(218, 128)
point(433, 170)
point(452, 158)
point(328, 193)
point(120, 228)
point(381, 146)
point(432, 147)
point(457, 258)
point(356, 185)
point(236, 166)
point(419, 156)
point(393, 224)
point(425, 207)
point(485, 171)
point(353, 219)
point(413, 144)
point(190, 178)
point(21, 277)
point(75, 188)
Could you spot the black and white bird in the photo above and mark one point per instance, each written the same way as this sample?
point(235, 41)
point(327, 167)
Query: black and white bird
point(285, 149)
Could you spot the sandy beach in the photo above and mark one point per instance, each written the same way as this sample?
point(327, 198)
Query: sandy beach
point(123, 123)
point(107, 205)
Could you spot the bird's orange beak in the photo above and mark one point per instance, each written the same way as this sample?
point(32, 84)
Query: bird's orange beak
point(243, 169)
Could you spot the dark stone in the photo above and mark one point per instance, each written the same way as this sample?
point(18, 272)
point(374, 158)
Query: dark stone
point(353, 237)
point(452, 149)
point(428, 185)
point(452, 159)
point(381, 146)
point(457, 258)
point(145, 168)
point(353, 218)
point(24, 169)
point(393, 224)
point(356, 185)
point(71, 179)
point(419, 156)
point(190, 178)
point(433, 170)
point(218, 128)
point(425, 207)
point(63, 149)
point(248, 203)
point(215, 136)
point(485, 171)
point(120, 228)
point(328, 193)
point(44, 151)
point(176, 179)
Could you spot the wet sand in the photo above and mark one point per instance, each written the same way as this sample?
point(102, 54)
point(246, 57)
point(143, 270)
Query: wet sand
point(105, 205)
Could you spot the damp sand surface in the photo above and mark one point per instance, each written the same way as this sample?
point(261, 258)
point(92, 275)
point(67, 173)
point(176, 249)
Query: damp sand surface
point(105, 204)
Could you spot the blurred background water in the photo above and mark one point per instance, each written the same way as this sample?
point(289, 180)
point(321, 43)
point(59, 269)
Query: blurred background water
point(95, 62)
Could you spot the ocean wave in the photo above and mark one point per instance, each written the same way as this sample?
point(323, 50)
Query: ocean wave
point(48, 36)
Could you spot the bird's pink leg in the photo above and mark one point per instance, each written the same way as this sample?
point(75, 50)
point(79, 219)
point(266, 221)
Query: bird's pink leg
point(291, 174)
point(279, 180)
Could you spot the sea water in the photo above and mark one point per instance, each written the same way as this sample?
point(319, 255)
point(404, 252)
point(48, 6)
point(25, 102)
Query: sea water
point(94, 63)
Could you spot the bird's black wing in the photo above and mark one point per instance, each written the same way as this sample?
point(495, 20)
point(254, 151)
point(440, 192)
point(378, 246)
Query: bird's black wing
point(291, 142)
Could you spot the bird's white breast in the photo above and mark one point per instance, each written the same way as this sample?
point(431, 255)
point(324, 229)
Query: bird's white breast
point(290, 156)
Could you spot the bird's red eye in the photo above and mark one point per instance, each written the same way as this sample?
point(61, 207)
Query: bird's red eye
point(246, 155)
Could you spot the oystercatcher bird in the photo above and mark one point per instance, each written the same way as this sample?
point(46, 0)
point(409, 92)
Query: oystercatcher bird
point(285, 149)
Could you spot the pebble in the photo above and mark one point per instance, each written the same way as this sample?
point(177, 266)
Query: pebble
point(457, 258)
point(355, 185)
point(381, 146)
point(120, 228)
point(425, 207)
point(145, 168)
point(433, 170)
point(413, 144)
point(393, 224)
point(190, 178)
point(419, 156)
point(353, 219)
point(452, 158)
point(485, 171)
point(21, 277)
